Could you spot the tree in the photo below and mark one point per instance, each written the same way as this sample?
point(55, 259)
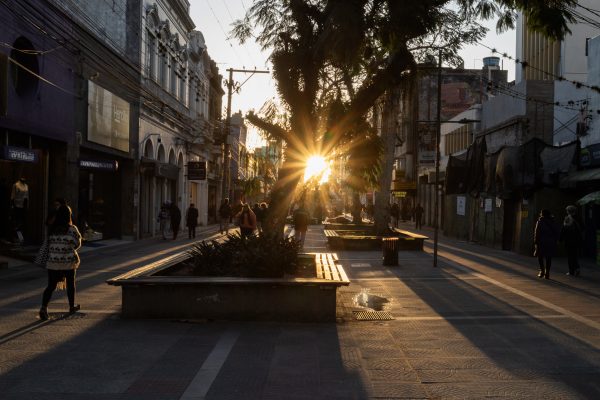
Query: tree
point(335, 58)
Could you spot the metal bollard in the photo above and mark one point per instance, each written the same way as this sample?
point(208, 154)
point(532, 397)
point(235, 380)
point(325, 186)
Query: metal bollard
point(390, 247)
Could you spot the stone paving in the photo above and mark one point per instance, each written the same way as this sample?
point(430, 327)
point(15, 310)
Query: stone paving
point(481, 325)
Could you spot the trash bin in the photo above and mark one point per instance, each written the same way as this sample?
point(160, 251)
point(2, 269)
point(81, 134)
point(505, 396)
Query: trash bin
point(390, 250)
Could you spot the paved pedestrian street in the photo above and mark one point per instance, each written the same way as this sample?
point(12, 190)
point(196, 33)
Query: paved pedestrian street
point(481, 325)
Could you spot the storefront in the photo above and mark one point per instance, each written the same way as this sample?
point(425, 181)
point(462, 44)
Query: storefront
point(158, 186)
point(99, 208)
point(23, 188)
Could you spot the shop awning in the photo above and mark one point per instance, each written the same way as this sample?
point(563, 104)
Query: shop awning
point(589, 198)
point(580, 176)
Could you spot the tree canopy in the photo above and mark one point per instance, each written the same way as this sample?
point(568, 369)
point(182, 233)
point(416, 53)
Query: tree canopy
point(332, 59)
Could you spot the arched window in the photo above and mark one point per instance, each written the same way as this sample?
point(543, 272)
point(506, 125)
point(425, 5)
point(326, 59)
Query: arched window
point(172, 157)
point(25, 83)
point(148, 149)
point(161, 153)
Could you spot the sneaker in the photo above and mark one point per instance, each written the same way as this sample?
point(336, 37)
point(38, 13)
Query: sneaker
point(44, 314)
point(74, 309)
point(541, 274)
point(569, 274)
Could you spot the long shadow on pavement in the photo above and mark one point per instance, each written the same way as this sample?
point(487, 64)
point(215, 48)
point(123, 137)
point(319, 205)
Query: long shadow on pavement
point(144, 359)
point(538, 357)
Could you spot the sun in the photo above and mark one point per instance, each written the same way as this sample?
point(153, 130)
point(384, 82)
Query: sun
point(317, 166)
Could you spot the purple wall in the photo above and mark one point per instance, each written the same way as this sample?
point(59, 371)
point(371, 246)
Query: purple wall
point(46, 111)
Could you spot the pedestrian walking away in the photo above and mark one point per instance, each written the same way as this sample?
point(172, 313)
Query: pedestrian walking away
point(545, 239)
point(163, 219)
point(395, 213)
point(62, 259)
point(247, 221)
point(191, 219)
point(224, 216)
point(571, 235)
point(175, 219)
point(419, 216)
point(300, 219)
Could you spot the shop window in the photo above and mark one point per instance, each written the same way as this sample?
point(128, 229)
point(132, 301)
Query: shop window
point(25, 68)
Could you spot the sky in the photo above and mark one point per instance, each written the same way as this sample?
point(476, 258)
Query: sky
point(214, 18)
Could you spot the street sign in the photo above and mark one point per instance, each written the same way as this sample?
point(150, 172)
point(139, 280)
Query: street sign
point(196, 170)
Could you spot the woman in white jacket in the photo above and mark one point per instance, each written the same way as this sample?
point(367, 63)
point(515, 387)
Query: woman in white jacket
point(63, 241)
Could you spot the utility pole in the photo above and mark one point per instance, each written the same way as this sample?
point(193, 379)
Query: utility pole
point(438, 136)
point(231, 86)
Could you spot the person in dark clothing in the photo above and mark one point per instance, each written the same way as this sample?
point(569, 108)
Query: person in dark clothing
point(395, 213)
point(545, 238)
point(224, 216)
point(191, 219)
point(52, 212)
point(571, 235)
point(301, 219)
point(419, 216)
point(175, 219)
point(262, 217)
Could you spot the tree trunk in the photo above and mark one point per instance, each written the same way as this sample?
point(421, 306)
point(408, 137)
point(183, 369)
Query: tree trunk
point(382, 197)
point(282, 195)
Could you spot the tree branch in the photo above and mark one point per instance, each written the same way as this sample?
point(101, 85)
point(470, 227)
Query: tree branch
point(271, 129)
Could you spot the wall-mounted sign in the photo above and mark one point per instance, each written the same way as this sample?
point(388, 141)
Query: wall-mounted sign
point(108, 118)
point(12, 153)
point(399, 193)
point(105, 165)
point(461, 205)
point(196, 170)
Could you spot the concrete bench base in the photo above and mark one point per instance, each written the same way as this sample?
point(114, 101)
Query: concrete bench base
point(149, 292)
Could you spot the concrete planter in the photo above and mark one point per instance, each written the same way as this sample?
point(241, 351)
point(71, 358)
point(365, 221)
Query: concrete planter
point(148, 292)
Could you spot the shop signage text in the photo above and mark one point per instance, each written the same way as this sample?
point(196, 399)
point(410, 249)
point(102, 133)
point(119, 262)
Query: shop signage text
point(590, 156)
point(19, 154)
point(99, 164)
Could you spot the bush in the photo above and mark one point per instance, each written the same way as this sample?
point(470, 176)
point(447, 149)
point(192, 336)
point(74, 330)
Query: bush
point(253, 257)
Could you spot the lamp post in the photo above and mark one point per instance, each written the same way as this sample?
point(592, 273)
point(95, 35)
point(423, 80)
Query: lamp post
point(438, 136)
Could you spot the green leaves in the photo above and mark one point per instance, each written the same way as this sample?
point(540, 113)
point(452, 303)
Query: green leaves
point(253, 257)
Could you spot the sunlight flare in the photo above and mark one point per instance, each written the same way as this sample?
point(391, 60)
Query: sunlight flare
point(317, 166)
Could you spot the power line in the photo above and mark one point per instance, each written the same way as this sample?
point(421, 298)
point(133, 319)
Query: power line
point(224, 33)
point(525, 64)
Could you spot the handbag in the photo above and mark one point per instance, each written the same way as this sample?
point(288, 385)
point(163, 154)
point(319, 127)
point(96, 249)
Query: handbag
point(42, 257)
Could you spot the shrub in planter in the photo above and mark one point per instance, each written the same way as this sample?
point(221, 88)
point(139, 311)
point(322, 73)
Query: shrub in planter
point(253, 257)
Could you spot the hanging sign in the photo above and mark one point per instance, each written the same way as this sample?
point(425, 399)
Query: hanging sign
point(196, 170)
point(461, 205)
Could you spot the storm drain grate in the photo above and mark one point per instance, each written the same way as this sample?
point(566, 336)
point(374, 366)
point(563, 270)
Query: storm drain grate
point(372, 316)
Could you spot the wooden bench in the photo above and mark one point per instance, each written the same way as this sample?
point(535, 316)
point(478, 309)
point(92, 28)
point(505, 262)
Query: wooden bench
point(334, 241)
point(410, 240)
point(327, 268)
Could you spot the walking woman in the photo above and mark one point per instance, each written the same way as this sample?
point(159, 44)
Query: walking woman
point(571, 235)
point(63, 241)
point(545, 239)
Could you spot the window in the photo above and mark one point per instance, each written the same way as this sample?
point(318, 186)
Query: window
point(162, 68)
point(587, 46)
point(151, 55)
point(24, 82)
point(173, 83)
point(182, 82)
